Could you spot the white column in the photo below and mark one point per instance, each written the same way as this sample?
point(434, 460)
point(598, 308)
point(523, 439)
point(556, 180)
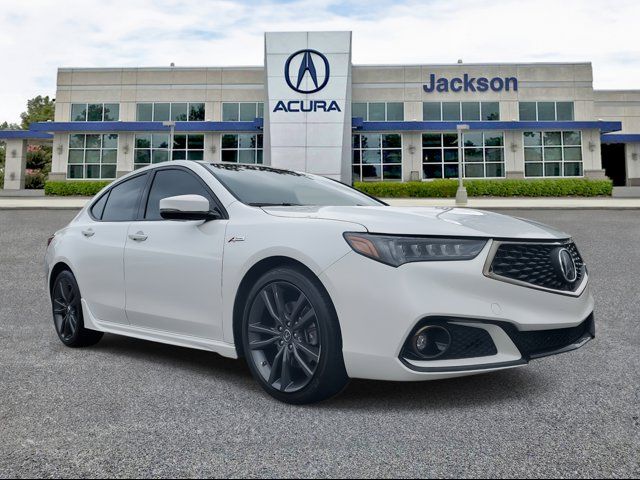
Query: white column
point(126, 152)
point(15, 164)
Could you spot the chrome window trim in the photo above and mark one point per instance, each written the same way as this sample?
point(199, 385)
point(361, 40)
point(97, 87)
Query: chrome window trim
point(495, 244)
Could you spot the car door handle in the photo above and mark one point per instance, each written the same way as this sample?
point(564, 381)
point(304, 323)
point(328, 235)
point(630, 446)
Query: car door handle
point(138, 237)
point(88, 233)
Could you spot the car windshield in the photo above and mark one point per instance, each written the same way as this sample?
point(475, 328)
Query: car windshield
point(263, 186)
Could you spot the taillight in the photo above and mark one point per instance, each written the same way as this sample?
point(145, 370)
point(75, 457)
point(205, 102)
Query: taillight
point(50, 240)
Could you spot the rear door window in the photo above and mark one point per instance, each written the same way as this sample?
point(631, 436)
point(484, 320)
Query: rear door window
point(123, 201)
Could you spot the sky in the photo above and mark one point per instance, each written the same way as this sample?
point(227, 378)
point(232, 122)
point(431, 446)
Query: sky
point(39, 36)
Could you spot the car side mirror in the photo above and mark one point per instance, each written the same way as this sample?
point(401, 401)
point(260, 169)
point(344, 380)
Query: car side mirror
point(188, 207)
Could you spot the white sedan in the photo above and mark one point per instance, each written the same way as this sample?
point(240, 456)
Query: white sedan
point(312, 281)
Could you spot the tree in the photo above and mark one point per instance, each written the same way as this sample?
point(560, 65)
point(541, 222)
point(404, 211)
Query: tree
point(39, 109)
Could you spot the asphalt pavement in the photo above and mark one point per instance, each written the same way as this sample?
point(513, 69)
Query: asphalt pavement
point(130, 408)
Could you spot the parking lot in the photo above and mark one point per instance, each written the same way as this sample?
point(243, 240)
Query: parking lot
point(130, 408)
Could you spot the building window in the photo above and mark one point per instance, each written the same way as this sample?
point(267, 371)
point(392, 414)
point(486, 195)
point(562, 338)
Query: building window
point(151, 148)
point(460, 111)
point(546, 111)
point(164, 112)
point(378, 111)
point(242, 111)
point(188, 147)
point(439, 155)
point(92, 156)
point(242, 148)
point(95, 112)
point(377, 157)
point(483, 155)
point(553, 154)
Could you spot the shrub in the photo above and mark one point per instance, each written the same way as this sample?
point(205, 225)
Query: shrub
point(34, 180)
point(556, 187)
point(74, 188)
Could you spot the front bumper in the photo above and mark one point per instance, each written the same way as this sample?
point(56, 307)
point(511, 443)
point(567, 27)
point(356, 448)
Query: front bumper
point(380, 306)
point(530, 345)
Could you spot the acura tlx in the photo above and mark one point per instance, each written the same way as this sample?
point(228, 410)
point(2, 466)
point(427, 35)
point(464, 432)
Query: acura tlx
point(313, 282)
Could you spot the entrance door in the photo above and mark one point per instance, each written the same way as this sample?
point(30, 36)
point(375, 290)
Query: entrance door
point(614, 162)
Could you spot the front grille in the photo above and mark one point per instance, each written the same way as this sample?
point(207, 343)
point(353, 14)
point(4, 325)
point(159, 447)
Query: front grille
point(466, 342)
point(532, 263)
point(544, 342)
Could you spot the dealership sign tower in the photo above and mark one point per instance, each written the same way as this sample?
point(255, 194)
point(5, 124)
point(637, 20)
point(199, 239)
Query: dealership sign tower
point(307, 123)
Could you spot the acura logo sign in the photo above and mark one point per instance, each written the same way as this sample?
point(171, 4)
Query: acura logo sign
point(307, 64)
point(567, 265)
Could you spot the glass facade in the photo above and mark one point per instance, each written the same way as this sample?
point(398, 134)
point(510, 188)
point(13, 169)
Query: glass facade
point(151, 148)
point(546, 111)
point(242, 111)
point(460, 111)
point(242, 148)
point(95, 112)
point(92, 156)
point(377, 157)
point(439, 155)
point(378, 111)
point(553, 154)
point(483, 155)
point(164, 112)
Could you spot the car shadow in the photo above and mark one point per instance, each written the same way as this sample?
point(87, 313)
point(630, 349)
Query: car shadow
point(472, 391)
point(362, 395)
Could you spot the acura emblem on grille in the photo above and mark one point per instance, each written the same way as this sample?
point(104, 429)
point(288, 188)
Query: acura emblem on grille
point(567, 265)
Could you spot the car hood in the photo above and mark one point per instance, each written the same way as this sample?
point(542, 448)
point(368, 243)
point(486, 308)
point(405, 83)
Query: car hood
point(444, 221)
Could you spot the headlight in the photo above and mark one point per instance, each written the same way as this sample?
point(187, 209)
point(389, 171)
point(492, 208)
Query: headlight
point(398, 250)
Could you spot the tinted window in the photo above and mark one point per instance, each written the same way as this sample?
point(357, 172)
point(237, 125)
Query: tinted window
point(263, 186)
point(122, 205)
point(528, 111)
point(172, 183)
point(565, 111)
point(432, 111)
point(98, 207)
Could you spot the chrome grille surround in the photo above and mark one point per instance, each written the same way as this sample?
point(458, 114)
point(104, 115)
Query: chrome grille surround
point(534, 269)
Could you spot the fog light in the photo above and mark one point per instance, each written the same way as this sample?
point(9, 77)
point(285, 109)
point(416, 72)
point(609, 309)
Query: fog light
point(431, 342)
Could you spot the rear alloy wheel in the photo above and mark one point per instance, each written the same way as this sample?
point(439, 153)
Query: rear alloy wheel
point(291, 338)
point(67, 313)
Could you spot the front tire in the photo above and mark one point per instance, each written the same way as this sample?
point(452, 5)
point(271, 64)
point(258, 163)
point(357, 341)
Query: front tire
point(291, 337)
point(67, 313)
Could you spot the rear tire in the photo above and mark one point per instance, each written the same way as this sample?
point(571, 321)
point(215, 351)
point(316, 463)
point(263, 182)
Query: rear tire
point(291, 337)
point(67, 313)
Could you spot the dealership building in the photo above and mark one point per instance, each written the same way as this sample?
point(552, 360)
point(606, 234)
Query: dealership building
point(309, 108)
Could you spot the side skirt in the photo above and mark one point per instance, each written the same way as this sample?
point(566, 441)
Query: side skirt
point(225, 349)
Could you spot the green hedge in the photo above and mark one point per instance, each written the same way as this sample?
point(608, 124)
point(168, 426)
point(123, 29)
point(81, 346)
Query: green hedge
point(561, 187)
point(74, 188)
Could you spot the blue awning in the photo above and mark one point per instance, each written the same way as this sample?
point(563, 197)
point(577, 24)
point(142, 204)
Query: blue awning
point(24, 135)
point(605, 127)
point(621, 138)
point(103, 127)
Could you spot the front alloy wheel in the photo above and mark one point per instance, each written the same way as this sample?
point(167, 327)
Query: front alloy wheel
point(291, 337)
point(283, 337)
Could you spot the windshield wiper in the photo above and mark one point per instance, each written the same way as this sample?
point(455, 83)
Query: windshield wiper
point(256, 204)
